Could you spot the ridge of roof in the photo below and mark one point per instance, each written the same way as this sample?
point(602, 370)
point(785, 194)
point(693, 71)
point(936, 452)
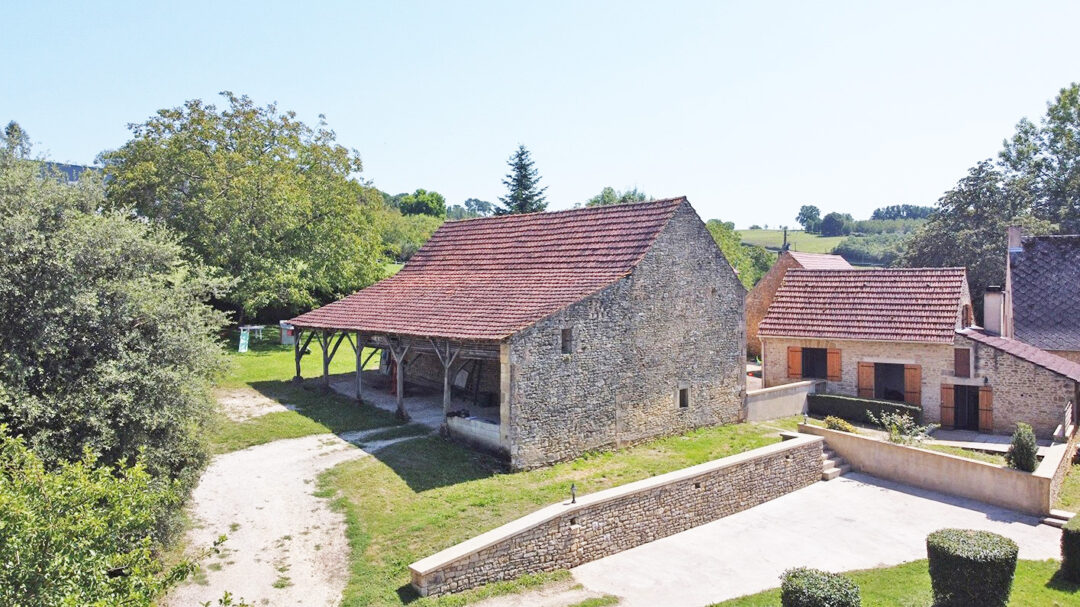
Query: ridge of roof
point(1038, 356)
point(670, 199)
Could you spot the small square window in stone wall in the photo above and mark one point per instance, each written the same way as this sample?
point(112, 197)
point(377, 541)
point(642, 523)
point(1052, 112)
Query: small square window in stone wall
point(684, 398)
point(567, 341)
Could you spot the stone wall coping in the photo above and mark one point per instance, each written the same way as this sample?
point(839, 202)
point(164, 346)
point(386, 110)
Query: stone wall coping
point(792, 387)
point(499, 534)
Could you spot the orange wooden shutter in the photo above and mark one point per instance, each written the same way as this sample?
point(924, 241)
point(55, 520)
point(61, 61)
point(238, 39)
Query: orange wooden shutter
point(986, 409)
point(948, 406)
point(834, 371)
point(913, 384)
point(962, 362)
point(794, 362)
point(866, 380)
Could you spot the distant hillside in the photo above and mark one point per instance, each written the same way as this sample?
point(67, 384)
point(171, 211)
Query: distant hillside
point(799, 240)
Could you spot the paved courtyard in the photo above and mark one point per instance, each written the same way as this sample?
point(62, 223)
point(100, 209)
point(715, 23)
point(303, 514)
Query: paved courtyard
point(853, 522)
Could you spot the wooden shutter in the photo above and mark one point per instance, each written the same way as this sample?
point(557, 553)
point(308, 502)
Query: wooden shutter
point(948, 406)
point(834, 372)
point(962, 362)
point(913, 384)
point(866, 380)
point(794, 362)
point(986, 409)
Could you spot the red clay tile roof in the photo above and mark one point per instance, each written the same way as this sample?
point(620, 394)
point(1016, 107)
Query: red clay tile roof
point(1042, 358)
point(820, 261)
point(901, 304)
point(488, 278)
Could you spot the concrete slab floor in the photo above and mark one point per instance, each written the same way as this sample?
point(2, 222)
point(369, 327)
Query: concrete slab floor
point(854, 522)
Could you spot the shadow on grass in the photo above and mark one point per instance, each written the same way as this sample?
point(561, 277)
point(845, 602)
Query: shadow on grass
point(436, 461)
point(1062, 584)
point(332, 410)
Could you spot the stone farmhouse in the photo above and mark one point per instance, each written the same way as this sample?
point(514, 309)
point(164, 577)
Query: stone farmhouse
point(551, 334)
point(908, 335)
point(1040, 304)
point(761, 296)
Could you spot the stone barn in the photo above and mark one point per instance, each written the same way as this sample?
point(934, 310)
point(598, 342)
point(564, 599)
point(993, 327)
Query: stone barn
point(552, 334)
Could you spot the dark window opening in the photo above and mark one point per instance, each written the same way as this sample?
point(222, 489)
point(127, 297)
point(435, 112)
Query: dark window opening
point(889, 382)
point(684, 398)
point(966, 403)
point(815, 363)
point(567, 341)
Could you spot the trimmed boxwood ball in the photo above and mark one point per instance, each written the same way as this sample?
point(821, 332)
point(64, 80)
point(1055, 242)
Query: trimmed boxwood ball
point(969, 567)
point(1070, 549)
point(803, 587)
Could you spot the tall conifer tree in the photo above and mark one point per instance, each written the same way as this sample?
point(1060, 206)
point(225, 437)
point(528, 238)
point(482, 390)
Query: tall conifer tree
point(524, 193)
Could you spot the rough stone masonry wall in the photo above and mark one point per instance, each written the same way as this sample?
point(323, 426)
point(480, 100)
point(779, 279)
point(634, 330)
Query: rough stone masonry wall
point(625, 517)
point(1022, 391)
point(675, 322)
point(936, 361)
point(761, 296)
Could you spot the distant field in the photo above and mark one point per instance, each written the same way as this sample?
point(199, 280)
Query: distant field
point(392, 268)
point(800, 241)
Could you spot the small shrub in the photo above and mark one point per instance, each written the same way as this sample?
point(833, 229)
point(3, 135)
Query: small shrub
point(835, 423)
point(804, 587)
point(902, 428)
point(854, 409)
point(1023, 452)
point(1070, 549)
point(969, 567)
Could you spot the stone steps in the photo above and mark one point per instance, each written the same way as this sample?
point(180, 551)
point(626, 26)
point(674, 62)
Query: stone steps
point(832, 465)
point(1057, 518)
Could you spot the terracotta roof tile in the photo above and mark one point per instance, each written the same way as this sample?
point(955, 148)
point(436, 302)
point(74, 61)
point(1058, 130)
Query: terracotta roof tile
point(820, 261)
point(900, 304)
point(1019, 349)
point(1046, 292)
point(488, 278)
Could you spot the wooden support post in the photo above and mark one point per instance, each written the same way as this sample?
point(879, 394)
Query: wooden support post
point(297, 353)
point(447, 359)
point(359, 347)
point(324, 340)
point(399, 360)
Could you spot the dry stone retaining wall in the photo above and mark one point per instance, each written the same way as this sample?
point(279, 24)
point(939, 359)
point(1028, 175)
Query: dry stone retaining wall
point(565, 535)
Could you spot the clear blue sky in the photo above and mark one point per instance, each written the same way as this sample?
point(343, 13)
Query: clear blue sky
point(750, 109)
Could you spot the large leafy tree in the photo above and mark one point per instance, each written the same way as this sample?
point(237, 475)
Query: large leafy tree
point(106, 343)
point(423, 202)
point(968, 228)
point(256, 194)
point(751, 262)
point(610, 195)
point(524, 194)
point(809, 218)
point(1044, 160)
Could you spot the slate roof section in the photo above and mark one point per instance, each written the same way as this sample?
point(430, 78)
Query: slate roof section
point(820, 261)
point(896, 304)
point(488, 278)
point(1046, 292)
point(1021, 350)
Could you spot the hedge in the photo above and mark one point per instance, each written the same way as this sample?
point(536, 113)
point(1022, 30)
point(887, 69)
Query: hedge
point(803, 587)
point(969, 567)
point(854, 409)
point(1070, 549)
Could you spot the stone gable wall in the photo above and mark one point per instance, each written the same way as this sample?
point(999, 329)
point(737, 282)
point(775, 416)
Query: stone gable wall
point(566, 535)
point(1022, 391)
point(761, 297)
point(676, 321)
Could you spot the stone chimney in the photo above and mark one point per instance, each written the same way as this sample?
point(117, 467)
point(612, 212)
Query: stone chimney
point(993, 309)
point(1014, 234)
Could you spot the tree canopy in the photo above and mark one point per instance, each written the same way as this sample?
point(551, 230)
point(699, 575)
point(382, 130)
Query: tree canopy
point(836, 224)
point(107, 341)
point(751, 262)
point(524, 194)
point(809, 218)
point(902, 211)
point(610, 195)
point(423, 202)
point(255, 194)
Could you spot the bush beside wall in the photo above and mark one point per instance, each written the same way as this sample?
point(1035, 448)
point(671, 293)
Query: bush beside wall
point(854, 409)
point(1070, 550)
point(969, 567)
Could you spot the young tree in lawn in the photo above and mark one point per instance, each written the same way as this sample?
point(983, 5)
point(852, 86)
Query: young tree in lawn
point(524, 194)
point(255, 194)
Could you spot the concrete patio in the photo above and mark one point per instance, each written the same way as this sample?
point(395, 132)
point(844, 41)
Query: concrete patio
point(423, 404)
point(853, 522)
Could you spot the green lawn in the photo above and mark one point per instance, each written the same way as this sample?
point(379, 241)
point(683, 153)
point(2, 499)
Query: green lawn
point(908, 585)
point(799, 240)
point(982, 456)
point(1069, 498)
point(418, 497)
point(268, 368)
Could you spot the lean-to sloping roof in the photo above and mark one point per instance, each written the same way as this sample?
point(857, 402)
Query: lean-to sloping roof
point(1046, 292)
point(1021, 350)
point(897, 304)
point(820, 261)
point(488, 278)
